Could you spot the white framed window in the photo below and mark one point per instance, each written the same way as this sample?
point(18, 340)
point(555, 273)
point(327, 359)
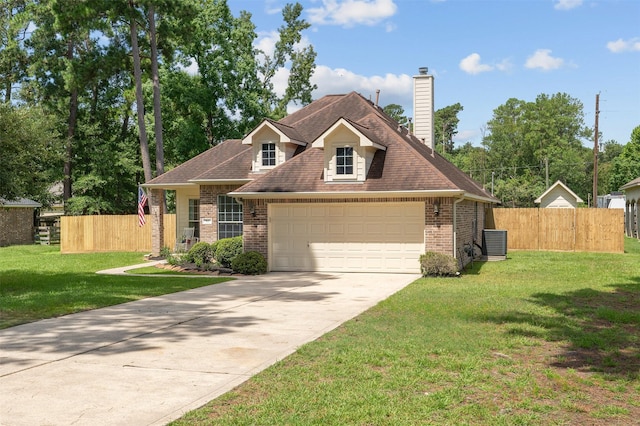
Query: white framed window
point(268, 154)
point(229, 217)
point(194, 216)
point(344, 160)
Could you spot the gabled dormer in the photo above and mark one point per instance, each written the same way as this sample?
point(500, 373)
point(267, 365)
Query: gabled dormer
point(272, 144)
point(348, 151)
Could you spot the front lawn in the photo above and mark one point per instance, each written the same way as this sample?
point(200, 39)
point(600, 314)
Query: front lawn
point(542, 338)
point(38, 282)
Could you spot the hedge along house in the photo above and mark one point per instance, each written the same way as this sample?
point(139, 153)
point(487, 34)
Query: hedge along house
point(335, 186)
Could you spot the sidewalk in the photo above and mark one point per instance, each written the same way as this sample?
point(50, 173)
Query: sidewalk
point(148, 362)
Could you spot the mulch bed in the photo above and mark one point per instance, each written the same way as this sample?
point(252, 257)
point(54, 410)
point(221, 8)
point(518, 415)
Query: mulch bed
point(191, 268)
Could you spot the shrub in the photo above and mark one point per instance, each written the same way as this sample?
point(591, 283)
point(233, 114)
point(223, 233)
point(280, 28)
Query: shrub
point(249, 263)
point(227, 249)
point(434, 264)
point(200, 253)
point(165, 252)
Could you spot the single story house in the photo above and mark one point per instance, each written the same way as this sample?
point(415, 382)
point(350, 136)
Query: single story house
point(17, 218)
point(337, 186)
point(632, 209)
point(559, 196)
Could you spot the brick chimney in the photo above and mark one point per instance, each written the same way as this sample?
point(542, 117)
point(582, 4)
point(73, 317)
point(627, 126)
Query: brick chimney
point(423, 106)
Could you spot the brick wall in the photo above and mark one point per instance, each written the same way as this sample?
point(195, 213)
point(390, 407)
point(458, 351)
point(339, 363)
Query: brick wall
point(470, 221)
point(156, 204)
point(16, 226)
point(438, 229)
point(255, 227)
point(209, 209)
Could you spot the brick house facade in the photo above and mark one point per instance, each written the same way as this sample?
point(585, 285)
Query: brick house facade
point(335, 186)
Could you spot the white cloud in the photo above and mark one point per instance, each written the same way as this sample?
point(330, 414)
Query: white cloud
point(464, 136)
point(542, 59)
point(266, 42)
point(271, 7)
point(620, 45)
point(505, 65)
point(192, 69)
point(394, 88)
point(348, 13)
point(472, 65)
point(567, 4)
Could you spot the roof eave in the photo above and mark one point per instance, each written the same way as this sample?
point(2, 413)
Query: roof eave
point(219, 181)
point(350, 194)
point(170, 186)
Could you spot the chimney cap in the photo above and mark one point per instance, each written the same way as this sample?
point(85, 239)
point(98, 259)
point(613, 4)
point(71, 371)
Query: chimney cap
point(423, 70)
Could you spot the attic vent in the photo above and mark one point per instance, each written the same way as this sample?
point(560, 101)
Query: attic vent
point(494, 242)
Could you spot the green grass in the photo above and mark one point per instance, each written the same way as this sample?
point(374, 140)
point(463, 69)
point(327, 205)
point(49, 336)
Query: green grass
point(542, 338)
point(38, 282)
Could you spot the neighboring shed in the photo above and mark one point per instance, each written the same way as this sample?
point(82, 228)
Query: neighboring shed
point(17, 221)
point(558, 196)
point(632, 208)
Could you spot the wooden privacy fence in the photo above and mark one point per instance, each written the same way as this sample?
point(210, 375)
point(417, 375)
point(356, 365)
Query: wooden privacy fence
point(595, 230)
point(82, 234)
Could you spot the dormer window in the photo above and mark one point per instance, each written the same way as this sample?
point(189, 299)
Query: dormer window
point(344, 160)
point(268, 154)
point(272, 144)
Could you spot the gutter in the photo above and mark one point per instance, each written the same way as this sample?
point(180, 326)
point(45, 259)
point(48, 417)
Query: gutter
point(351, 194)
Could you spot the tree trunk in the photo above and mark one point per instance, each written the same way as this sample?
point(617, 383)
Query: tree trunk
point(137, 73)
point(71, 131)
point(157, 114)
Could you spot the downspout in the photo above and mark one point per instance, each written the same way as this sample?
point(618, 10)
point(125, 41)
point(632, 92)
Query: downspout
point(455, 226)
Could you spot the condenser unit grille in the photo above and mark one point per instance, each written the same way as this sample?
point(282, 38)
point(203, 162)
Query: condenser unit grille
point(494, 242)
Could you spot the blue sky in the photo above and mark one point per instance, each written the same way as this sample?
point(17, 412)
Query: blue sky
point(481, 53)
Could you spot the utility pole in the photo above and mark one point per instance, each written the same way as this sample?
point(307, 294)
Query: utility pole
point(595, 155)
point(546, 171)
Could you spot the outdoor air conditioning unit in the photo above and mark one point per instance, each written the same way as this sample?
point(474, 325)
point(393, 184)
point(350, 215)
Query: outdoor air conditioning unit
point(494, 242)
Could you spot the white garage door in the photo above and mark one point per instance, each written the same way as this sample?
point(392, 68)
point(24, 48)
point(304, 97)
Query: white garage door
point(363, 237)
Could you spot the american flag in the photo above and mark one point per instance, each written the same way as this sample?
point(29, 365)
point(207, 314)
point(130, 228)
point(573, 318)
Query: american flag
point(142, 200)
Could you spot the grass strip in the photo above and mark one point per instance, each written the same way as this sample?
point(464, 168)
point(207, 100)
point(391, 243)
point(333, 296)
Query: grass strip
point(38, 282)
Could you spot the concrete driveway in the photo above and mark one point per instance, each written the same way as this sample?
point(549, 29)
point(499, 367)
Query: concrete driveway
point(148, 362)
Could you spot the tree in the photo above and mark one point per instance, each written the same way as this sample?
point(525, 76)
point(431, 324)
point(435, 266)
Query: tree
point(66, 61)
point(299, 86)
point(14, 23)
point(606, 155)
point(137, 73)
point(626, 166)
point(446, 126)
point(524, 136)
point(28, 134)
point(472, 160)
point(396, 112)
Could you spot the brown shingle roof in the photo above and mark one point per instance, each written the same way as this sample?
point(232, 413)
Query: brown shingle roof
point(406, 165)
point(206, 164)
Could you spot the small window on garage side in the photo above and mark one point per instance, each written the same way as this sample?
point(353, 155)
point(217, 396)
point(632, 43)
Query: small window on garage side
point(229, 217)
point(268, 154)
point(194, 216)
point(344, 160)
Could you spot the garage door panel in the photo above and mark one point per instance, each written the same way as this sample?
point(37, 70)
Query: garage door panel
point(335, 211)
point(383, 237)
